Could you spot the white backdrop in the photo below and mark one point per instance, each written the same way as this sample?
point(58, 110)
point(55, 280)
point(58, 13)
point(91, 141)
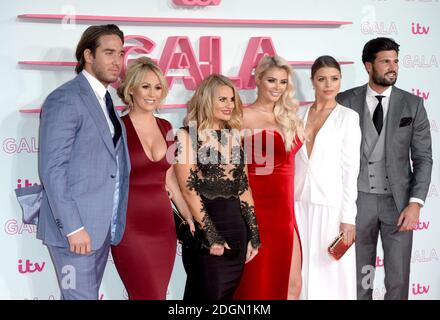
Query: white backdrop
point(26, 271)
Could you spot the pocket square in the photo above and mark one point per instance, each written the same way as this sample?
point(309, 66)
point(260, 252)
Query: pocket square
point(29, 199)
point(405, 121)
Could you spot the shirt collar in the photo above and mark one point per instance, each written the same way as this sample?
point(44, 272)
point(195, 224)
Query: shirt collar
point(372, 93)
point(96, 85)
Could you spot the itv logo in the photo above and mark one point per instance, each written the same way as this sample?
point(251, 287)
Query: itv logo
point(418, 29)
point(422, 94)
point(422, 225)
point(24, 183)
point(418, 289)
point(30, 267)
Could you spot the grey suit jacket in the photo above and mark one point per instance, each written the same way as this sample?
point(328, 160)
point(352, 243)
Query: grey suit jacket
point(407, 137)
point(77, 166)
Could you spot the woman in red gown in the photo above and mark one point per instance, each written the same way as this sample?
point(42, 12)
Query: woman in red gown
point(273, 138)
point(145, 256)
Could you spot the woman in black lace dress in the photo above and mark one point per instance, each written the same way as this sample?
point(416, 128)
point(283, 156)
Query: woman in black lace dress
point(212, 174)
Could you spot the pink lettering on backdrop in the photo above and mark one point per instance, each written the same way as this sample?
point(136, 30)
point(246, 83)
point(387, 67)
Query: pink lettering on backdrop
point(30, 267)
point(144, 45)
point(185, 59)
point(210, 54)
point(193, 3)
point(210, 60)
point(178, 54)
point(379, 262)
point(418, 289)
point(418, 29)
point(256, 49)
point(422, 225)
point(421, 94)
point(24, 183)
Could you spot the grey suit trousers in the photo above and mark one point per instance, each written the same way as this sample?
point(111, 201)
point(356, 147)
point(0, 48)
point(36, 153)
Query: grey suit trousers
point(378, 213)
point(80, 276)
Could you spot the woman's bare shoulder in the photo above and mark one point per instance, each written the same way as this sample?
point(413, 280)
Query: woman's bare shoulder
point(250, 115)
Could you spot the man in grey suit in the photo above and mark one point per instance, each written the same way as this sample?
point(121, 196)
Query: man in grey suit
point(391, 191)
point(84, 166)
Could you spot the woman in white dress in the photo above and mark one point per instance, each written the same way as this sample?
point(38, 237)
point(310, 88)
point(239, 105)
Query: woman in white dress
point(326, 171)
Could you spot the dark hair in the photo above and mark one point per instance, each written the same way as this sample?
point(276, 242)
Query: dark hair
point(90, 40)
point(374, 46)
point(324, 61)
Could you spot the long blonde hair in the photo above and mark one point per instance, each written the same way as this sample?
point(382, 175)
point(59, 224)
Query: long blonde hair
point(201, 105)
point(286, 108)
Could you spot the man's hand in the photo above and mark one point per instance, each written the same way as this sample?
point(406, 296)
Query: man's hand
point(409, 218)
point(80, 242)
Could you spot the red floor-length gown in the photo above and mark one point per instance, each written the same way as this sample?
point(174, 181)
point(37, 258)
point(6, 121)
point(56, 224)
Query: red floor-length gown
point(267, 275)
point(145, 256)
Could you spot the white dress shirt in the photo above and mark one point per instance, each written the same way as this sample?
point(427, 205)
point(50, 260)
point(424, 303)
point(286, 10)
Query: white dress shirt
point(100, 92)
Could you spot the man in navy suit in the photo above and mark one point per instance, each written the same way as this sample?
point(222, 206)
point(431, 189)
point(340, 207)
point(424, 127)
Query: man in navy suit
point(84, 166)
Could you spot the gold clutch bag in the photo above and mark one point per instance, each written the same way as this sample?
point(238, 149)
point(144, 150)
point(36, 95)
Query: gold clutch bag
point(337, 248)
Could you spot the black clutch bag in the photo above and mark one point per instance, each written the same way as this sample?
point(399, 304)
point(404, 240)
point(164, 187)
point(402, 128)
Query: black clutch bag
point(184, 234)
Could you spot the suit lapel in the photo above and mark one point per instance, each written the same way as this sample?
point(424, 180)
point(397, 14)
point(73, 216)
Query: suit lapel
point(92, 104)
point(359, 104)
point(395, 108)
point(369, 134)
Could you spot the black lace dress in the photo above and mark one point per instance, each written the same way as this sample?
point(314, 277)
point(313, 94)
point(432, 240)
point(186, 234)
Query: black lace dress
point(220, 180)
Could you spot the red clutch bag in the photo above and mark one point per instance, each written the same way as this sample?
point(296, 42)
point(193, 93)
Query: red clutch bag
point(337, 248)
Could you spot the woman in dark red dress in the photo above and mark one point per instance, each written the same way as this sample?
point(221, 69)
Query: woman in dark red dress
point(273, 140)
point(145, 256)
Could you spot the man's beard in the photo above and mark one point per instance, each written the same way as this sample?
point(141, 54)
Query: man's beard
point(383, 81)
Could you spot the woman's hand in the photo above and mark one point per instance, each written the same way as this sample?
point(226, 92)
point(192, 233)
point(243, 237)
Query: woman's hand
point(218, 249)
point(251, 252)
point(191, 225)
point(349, 231)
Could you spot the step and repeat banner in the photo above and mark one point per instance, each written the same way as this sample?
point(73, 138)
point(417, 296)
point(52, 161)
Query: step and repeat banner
point(191, 39)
